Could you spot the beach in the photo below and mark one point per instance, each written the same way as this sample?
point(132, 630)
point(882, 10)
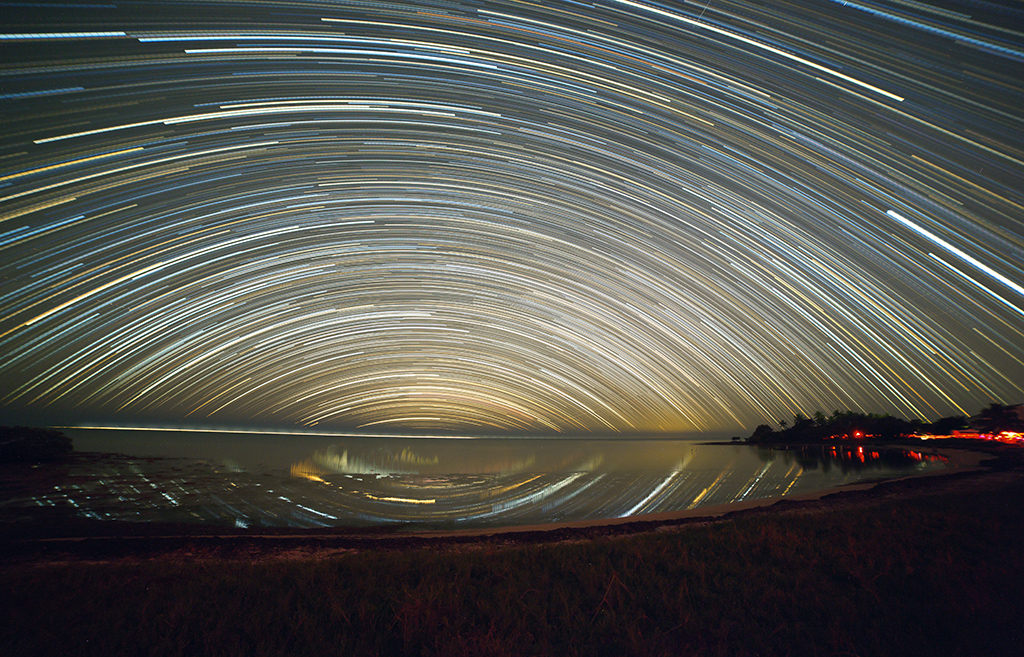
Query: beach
point(930, 562)
point(116, 541)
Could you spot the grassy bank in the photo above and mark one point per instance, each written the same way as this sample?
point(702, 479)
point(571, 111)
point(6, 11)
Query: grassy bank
point(937, 575)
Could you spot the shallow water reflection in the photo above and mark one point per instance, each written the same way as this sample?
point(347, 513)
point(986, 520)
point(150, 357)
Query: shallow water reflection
point(308, 481)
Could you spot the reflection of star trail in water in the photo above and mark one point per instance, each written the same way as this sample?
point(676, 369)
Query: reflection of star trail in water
point(617, 217)
point(444, 482)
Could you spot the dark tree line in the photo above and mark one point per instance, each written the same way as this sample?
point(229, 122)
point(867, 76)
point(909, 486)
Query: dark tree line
point(998, 417)
point(852, 426)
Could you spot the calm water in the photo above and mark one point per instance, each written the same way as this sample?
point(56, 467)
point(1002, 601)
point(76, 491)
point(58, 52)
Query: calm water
point(298, 480)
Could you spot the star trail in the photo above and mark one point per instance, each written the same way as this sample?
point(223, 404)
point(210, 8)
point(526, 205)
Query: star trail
point(612, 217)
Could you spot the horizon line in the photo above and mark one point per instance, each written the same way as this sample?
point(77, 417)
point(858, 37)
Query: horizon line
point(369, 434)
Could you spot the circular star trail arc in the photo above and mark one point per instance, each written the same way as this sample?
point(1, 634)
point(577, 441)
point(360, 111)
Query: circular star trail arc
point(618, 217)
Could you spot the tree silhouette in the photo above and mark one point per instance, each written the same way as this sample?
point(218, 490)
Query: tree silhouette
point(851, 425)
point(998, 417)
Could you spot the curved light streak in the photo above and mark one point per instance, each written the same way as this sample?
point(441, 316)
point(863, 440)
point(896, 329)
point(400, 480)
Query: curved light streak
point(628, 217)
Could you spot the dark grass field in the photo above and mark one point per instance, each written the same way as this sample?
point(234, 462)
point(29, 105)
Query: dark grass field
point(930, 567)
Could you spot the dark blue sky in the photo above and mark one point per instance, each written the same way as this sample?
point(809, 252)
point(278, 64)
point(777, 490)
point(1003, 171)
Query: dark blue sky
point(485, 216)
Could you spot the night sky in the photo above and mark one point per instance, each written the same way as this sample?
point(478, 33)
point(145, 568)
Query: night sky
point(547, 217)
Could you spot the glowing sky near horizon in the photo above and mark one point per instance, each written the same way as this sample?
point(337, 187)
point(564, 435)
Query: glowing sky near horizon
point(617, 216)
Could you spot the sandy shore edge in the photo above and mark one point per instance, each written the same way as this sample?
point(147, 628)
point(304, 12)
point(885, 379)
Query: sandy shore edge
point(965, 471)
point(957, 461)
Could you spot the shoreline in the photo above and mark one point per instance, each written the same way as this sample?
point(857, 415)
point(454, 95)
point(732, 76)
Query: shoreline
point(958, 461)
point(131, 542)
point(929, 562)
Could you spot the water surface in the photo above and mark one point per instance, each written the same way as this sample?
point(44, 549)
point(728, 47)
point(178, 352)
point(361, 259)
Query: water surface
point(302, 480)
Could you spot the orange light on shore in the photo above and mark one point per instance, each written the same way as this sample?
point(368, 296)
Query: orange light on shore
point(1008, 437)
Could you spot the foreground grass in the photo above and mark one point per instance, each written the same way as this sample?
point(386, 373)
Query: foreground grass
point(936, 576)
